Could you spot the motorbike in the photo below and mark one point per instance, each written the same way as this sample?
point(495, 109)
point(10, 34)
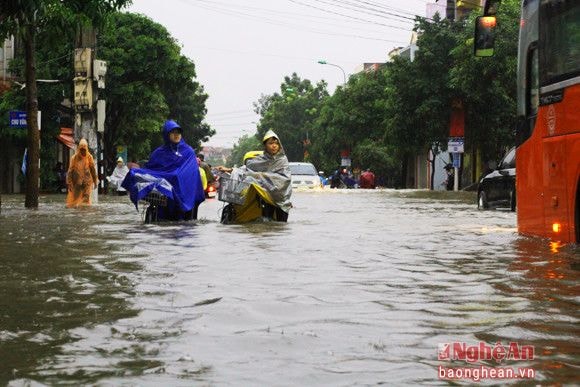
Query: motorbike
point(152, 203)
point(158, 198)
point(246, 201)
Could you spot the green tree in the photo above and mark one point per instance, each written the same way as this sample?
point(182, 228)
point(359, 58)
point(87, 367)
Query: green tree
point(352, 115)
point(419, 93)
point(27, 19)
point(488, 85)
point(54, 58)
point(379, 158)
point(403, 127)
point(148, 81)
point(245, 144)
point(291, 114)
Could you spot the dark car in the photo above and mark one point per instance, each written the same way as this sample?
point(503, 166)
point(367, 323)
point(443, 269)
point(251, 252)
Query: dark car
point(498, 188)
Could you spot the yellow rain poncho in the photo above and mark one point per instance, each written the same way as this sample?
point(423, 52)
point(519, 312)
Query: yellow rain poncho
point(81, 178)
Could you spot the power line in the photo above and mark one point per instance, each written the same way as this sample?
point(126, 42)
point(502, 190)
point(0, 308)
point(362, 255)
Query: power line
point(349, 16)
point(365, 10)
point(53, 59)
point(277, 12)
point(311, 60)
point(387, 7)
point(278, 23)
point(274, 22)
point(231, 12)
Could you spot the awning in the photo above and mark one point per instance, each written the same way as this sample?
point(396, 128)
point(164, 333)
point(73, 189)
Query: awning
point(66, 137)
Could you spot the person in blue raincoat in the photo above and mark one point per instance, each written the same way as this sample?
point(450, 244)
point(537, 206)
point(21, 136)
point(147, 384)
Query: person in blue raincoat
point(172, 170)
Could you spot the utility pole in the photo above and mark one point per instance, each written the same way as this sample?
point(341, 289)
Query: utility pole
point(89, 111)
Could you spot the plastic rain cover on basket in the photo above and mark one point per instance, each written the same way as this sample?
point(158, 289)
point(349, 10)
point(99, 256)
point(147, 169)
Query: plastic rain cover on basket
point(232, 189)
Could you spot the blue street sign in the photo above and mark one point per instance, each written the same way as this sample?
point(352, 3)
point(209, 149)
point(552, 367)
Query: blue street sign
point(456, 160)
point(17, 119)
point(455, 144)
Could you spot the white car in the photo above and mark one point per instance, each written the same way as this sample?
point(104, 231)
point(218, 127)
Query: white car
point(304, 175)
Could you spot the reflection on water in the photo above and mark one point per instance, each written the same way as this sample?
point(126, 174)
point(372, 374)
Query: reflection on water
point(359, 287)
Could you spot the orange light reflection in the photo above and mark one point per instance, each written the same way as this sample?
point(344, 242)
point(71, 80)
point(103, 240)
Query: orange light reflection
point(555, 247)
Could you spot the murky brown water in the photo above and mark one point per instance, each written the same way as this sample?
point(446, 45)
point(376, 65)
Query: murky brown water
point(358, 288)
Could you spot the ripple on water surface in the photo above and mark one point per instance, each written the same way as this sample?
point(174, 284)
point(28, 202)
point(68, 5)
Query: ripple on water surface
point(360, 287)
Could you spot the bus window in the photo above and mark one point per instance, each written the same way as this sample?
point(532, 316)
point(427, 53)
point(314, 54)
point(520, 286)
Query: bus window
point(527, 121)
point(560, 37)
point(533, 84)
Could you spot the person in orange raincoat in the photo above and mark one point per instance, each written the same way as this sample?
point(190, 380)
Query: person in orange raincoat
point(81, 178)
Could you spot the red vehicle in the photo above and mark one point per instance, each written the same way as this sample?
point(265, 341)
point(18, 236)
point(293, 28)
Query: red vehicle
point(548, 135)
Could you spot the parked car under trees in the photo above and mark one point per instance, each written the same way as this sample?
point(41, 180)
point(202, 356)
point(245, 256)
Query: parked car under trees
point(498, 188)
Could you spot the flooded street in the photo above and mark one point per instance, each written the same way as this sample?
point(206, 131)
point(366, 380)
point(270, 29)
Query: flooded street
point(359, 287)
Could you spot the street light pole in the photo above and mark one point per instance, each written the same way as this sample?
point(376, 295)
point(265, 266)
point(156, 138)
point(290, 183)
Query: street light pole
point(335, 65)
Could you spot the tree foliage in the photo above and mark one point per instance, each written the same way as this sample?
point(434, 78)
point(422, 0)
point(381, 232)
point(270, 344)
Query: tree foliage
point(148, 81)
point(488, 85)
point(29, 19)
point(291, 114)
point(404, 108)
point(353, 115)
point(245, 144)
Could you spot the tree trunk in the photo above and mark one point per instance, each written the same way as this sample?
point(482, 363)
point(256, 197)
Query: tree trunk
point(32, 163)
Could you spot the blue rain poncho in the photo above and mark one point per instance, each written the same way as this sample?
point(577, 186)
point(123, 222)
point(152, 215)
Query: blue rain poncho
point(172, 170)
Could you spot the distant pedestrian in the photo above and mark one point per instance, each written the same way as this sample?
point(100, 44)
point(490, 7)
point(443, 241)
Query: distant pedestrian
point(450, 182)
point(118, 176)
point(367, 180)
point(202, 174)
point(347, 178)
point(207, 168)
point(81, 177)
point(323, 180)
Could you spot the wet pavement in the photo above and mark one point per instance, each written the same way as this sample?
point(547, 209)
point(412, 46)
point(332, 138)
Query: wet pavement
point(359, 287)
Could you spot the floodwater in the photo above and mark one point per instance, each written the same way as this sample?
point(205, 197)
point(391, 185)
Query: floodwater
point(359, 288)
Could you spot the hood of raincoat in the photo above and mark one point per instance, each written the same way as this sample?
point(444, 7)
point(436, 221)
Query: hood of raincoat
point(83, 144)
point(269, 134)
point(172, 170)
point(272, 173)
point(86, 160)
point(168, 127)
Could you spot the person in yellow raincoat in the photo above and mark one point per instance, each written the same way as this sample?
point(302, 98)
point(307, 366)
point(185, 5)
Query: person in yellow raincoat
point(268, 176)
point(81, 178)
point(202, 175)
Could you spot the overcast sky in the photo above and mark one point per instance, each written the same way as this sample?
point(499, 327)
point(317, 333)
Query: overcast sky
point(244, 48)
